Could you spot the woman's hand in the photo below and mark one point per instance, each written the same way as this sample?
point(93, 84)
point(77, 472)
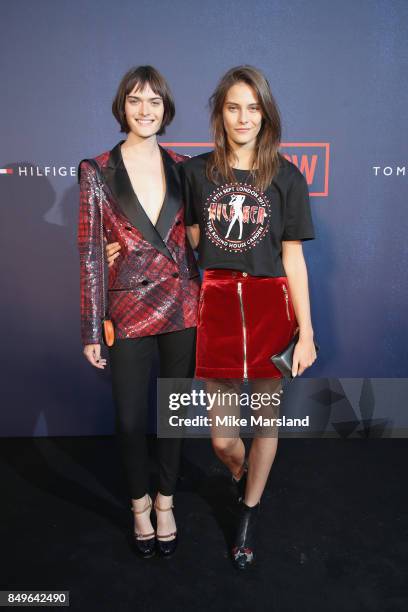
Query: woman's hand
point(303, 356)
point(112, 252)
point(93, 354)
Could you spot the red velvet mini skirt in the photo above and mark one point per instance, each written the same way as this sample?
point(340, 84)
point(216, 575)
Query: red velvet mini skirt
point(242, 321)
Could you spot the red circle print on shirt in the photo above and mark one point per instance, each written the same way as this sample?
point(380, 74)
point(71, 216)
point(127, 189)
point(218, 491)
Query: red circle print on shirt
point(236, 217)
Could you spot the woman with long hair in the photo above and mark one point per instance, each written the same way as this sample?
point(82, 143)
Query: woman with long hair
point(247, 212)
point(131, 196)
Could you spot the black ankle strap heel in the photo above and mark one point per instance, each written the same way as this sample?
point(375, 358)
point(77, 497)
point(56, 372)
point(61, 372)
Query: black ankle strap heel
point(166, 547)
point(144, 542)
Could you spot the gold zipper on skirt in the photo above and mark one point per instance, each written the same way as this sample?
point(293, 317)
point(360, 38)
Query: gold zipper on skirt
point(285, 291)
point(244, 331)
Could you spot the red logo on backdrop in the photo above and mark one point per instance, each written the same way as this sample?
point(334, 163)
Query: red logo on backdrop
point(312, 159)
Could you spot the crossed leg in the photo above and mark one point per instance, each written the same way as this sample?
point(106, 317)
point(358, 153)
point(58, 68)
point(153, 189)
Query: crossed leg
point(230, 448)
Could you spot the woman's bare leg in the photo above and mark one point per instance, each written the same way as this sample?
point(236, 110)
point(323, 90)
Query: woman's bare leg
point(264, 445)
point(226, 442)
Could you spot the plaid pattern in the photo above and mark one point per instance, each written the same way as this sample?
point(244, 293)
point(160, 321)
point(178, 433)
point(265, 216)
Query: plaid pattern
point(148, 293)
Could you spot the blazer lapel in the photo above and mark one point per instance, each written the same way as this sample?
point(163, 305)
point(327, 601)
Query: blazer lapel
point(119, 183)
point(172, 201)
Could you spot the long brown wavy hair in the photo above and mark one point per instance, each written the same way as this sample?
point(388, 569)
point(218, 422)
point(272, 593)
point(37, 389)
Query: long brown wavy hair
point(266, 159)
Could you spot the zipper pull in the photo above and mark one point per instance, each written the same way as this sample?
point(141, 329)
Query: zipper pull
point(285, 291)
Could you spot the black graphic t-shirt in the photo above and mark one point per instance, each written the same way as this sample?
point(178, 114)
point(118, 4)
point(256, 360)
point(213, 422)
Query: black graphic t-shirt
point(242, 228)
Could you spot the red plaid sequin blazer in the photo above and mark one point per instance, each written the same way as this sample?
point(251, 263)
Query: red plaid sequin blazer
point(153, 286)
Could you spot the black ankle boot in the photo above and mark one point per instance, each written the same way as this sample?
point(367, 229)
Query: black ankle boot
point(243, 549)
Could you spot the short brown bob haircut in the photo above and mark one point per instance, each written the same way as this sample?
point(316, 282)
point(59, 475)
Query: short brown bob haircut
point(139, 76)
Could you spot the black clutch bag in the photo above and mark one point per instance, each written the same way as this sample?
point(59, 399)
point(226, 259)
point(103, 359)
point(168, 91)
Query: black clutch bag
point(284, 360)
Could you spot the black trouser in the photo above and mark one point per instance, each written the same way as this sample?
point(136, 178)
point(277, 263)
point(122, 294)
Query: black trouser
point(131, 361)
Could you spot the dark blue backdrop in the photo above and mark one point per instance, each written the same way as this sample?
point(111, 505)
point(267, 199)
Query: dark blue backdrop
point(338, 71)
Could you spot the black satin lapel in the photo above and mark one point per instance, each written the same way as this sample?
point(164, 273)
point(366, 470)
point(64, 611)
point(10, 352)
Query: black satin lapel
point(172, 201)
point(119, 183)
point(112, 175)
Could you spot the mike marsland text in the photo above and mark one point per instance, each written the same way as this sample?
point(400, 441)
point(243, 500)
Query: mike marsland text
point(233, 421)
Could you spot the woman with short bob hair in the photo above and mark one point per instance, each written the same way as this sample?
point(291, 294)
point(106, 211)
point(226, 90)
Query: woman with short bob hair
point(140, 77)
point(131, 196)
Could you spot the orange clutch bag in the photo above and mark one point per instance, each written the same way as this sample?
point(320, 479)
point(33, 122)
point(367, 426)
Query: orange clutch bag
point(108, 332)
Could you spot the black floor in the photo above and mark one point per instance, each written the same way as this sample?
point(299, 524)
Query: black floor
point(332, 534)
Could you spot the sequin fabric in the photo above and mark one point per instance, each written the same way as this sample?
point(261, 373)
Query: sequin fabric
point(147, 292)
